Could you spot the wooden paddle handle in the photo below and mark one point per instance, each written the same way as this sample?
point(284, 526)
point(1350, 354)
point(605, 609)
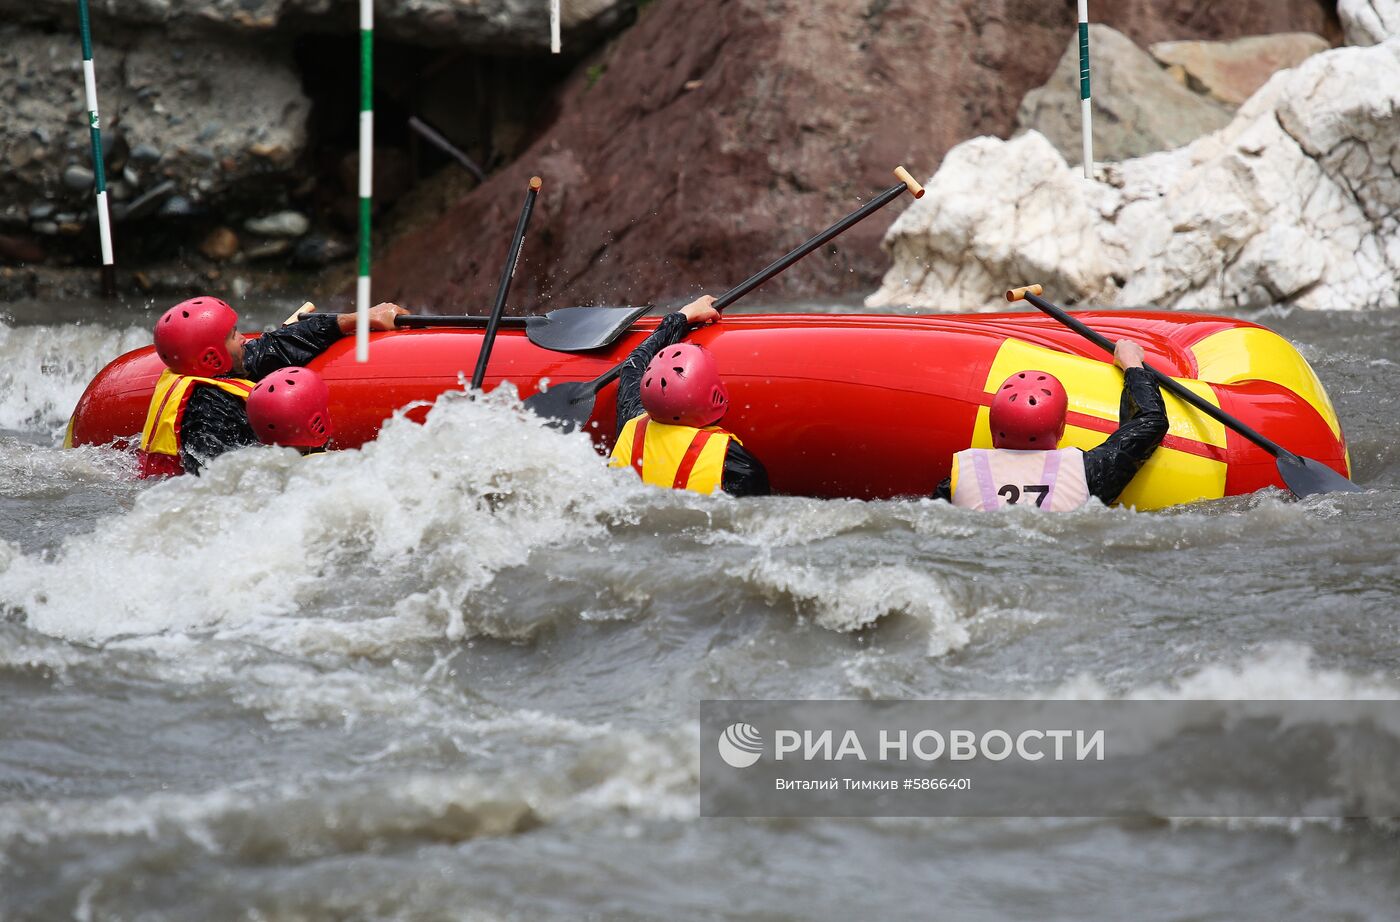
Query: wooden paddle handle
point(299, 314)
point(903, 176)
point(1019, 294)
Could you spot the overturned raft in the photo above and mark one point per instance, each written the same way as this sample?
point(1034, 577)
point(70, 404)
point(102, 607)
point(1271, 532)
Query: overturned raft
point(864, 406)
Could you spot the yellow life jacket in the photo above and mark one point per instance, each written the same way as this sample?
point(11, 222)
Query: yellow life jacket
point(680, 457)
point(161, 434)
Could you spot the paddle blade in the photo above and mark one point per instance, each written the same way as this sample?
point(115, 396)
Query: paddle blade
point(581, 329)
point(1306, 477)
point(567, 406)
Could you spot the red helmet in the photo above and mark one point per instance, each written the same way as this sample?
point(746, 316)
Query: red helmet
point(289, 407)
point(682, 387)
point(1028, 412)
point(192, 337)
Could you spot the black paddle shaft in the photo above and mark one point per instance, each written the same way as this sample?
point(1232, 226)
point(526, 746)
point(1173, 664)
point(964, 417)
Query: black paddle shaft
point(832, 232)
point(507, 273)
point(446, 146)
point(467, 321)
point(777, 266)
point(1214, 412)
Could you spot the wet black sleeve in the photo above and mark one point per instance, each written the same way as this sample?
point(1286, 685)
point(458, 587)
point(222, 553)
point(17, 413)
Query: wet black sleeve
point(744, 475)
point(1142, 424)
point(291, 345)
point(214, 422)
point(672, 330)
point(945, 489)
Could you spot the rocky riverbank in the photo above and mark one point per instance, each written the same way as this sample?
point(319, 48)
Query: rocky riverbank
point(229, 130)
point(1294, 201)
point(677, 154)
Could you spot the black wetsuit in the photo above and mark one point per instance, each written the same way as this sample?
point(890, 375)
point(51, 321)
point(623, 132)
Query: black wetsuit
point(1142, 424)
point(744, 475)
point(216, 421)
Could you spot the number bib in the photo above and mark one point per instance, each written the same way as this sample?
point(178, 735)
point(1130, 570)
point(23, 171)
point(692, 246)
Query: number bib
point(986, 478)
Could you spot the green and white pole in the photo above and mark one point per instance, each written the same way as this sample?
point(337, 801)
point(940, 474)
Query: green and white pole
point(1085, 109)
point(104, 220)
point(554, 43)
point(366, 176)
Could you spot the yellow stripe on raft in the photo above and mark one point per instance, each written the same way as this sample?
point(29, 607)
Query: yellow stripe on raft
point(1171, 476)
point(1252, 354)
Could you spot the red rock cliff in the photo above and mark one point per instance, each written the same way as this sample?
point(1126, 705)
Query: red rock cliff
point(716, 134)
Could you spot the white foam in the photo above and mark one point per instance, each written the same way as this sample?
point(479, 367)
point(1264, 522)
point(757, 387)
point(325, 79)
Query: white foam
point(22, 650)
point(306, 816)
point(840, 602)
point(1282, 671)
point(265, 534)
point(791, 522)
point(288, 692)
point(1260, 685)
point(651, 775)
point(599, 771)
point(32, 471)
point(44, 370)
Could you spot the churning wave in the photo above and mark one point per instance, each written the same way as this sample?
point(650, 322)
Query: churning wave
point(44, 370)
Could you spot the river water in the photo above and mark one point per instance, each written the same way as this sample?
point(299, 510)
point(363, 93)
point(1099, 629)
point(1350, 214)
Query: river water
point(455, 675)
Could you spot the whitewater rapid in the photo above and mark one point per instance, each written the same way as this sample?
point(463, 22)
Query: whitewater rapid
point(455, 674)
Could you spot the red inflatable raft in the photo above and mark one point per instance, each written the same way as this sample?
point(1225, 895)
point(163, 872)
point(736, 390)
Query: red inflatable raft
point(867, 406)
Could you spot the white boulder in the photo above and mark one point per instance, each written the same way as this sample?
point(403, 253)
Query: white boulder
point(1369, 22)
point(1001, 210)
point(1296, 201)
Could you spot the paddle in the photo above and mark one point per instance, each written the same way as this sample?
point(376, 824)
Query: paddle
point(571, 403)
point(1304, 476)
point(432, 136)
point(507, 273)
point(565, 329)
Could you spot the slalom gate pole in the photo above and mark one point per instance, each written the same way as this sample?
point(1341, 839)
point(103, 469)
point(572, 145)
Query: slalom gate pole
point(554, 44)
point(1085, 108)
point(99, 174)
point(366, 176)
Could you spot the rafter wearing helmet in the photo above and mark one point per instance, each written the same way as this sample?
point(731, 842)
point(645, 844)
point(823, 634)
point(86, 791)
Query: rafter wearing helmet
point(198, 410)
point(291, 408)
point(670, 402)
point(1026, 466)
